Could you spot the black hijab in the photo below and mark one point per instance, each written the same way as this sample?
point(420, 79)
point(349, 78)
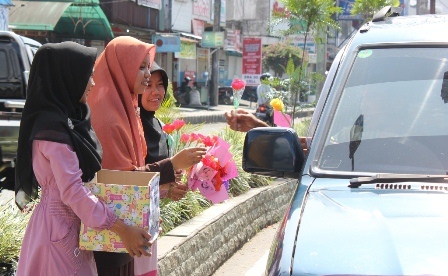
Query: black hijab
point(154, 136)
point(58, 78)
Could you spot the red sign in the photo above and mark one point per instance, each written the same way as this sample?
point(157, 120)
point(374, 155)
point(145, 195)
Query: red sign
point(251, 60)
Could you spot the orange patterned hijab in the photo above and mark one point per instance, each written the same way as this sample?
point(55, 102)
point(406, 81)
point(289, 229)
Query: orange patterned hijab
point(114, 105)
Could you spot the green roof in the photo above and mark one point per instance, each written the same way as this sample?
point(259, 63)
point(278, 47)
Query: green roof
point(84, 21)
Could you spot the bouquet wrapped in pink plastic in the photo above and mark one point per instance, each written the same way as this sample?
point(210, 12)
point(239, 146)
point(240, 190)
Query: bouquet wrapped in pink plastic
point(211, 176)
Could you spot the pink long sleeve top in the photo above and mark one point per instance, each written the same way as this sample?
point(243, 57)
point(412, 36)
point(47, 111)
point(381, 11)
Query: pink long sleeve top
point(50, 245)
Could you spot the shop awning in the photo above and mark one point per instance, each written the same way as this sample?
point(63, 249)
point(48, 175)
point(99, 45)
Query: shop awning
point(84, 22)
point(36, 15)
point(5, 3)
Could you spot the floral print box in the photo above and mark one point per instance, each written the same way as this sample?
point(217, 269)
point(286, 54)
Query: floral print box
point(133, 196)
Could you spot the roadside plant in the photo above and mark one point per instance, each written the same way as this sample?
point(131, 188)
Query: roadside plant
point(307, 17)
point(13, 224)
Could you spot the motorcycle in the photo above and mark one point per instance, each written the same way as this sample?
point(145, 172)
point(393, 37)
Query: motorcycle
point(265, 113)
point(225, 95)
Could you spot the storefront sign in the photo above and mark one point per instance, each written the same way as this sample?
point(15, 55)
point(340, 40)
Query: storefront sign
point(201, 9)
point(251, 60)
point(187, 50)
point(198, 27)
point(346, 6)
point(155, 4)
point(212, 39)
point(233, 41)
point(299, 41)
point(166, 44)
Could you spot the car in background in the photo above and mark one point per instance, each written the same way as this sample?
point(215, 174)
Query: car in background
point(372, 192)
point(16, 55)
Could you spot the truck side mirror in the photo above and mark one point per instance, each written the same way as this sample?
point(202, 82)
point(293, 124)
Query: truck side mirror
point(273, 151)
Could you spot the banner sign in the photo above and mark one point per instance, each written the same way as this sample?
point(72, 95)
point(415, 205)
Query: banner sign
point(155, 4)
point(212, 39)
point(187, 50)
point(198, 27)
point(233, 41)
point(251, 61)
point(346, 6)
point(166, 43)
point(201, 9)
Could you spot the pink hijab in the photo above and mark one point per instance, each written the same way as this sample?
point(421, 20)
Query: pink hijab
point(114, 105)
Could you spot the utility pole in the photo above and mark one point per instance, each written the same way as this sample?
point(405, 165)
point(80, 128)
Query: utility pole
point(215, 57)
point(422, 7)
point(168, 22)
point(432, 6)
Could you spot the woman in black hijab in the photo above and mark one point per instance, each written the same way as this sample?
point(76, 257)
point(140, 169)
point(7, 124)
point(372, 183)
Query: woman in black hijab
point(156, 139)
point(58, 151)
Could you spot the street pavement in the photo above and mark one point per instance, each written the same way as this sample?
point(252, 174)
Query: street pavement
point(210, 114)
point(214, 114)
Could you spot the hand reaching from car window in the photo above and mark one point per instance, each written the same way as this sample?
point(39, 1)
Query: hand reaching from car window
point(241, 120)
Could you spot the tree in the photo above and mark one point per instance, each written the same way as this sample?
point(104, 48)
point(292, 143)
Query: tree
point(306, 17)
point(368, 8)
point(277, 55)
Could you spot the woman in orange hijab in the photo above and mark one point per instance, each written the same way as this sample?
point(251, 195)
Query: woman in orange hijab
point(122, 72)
point(124, 63)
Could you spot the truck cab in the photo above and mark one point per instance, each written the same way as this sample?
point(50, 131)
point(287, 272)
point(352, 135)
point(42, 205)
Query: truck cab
point(16, 55)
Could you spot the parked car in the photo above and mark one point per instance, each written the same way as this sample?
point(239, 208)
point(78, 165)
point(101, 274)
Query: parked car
point(16, 55)
point(372, 193)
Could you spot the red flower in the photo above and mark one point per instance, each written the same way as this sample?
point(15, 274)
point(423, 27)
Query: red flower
point(168, 128)
point(194, 137)
point(184, 138)
point(238, 84)
point(208, 141)
point(178, 124)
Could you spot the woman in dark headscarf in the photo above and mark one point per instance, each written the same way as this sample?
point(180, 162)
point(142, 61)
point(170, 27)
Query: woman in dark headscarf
point(58, 151)
point(156, 139)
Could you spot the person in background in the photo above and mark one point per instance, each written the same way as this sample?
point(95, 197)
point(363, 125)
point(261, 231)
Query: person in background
point(184, 95)
point(58, 151)
point(123, 71)
point(195, 96)
point(241, 120)
point(263, 90)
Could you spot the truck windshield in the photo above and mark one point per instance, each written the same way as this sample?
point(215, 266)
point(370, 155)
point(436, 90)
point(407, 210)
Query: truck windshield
point(392, 115)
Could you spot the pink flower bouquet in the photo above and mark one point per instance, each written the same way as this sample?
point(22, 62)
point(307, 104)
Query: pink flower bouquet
point(216, 168)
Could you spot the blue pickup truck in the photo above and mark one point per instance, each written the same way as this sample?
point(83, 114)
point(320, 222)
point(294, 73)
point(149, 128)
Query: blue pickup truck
point(372, 192)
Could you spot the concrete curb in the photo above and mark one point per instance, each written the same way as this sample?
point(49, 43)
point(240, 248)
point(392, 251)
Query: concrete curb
point(201, 245)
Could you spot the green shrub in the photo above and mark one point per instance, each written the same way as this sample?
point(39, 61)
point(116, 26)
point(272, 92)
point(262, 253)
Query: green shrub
point(13, 225)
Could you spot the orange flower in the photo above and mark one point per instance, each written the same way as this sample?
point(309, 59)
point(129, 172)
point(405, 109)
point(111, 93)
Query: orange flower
point(168, 128)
